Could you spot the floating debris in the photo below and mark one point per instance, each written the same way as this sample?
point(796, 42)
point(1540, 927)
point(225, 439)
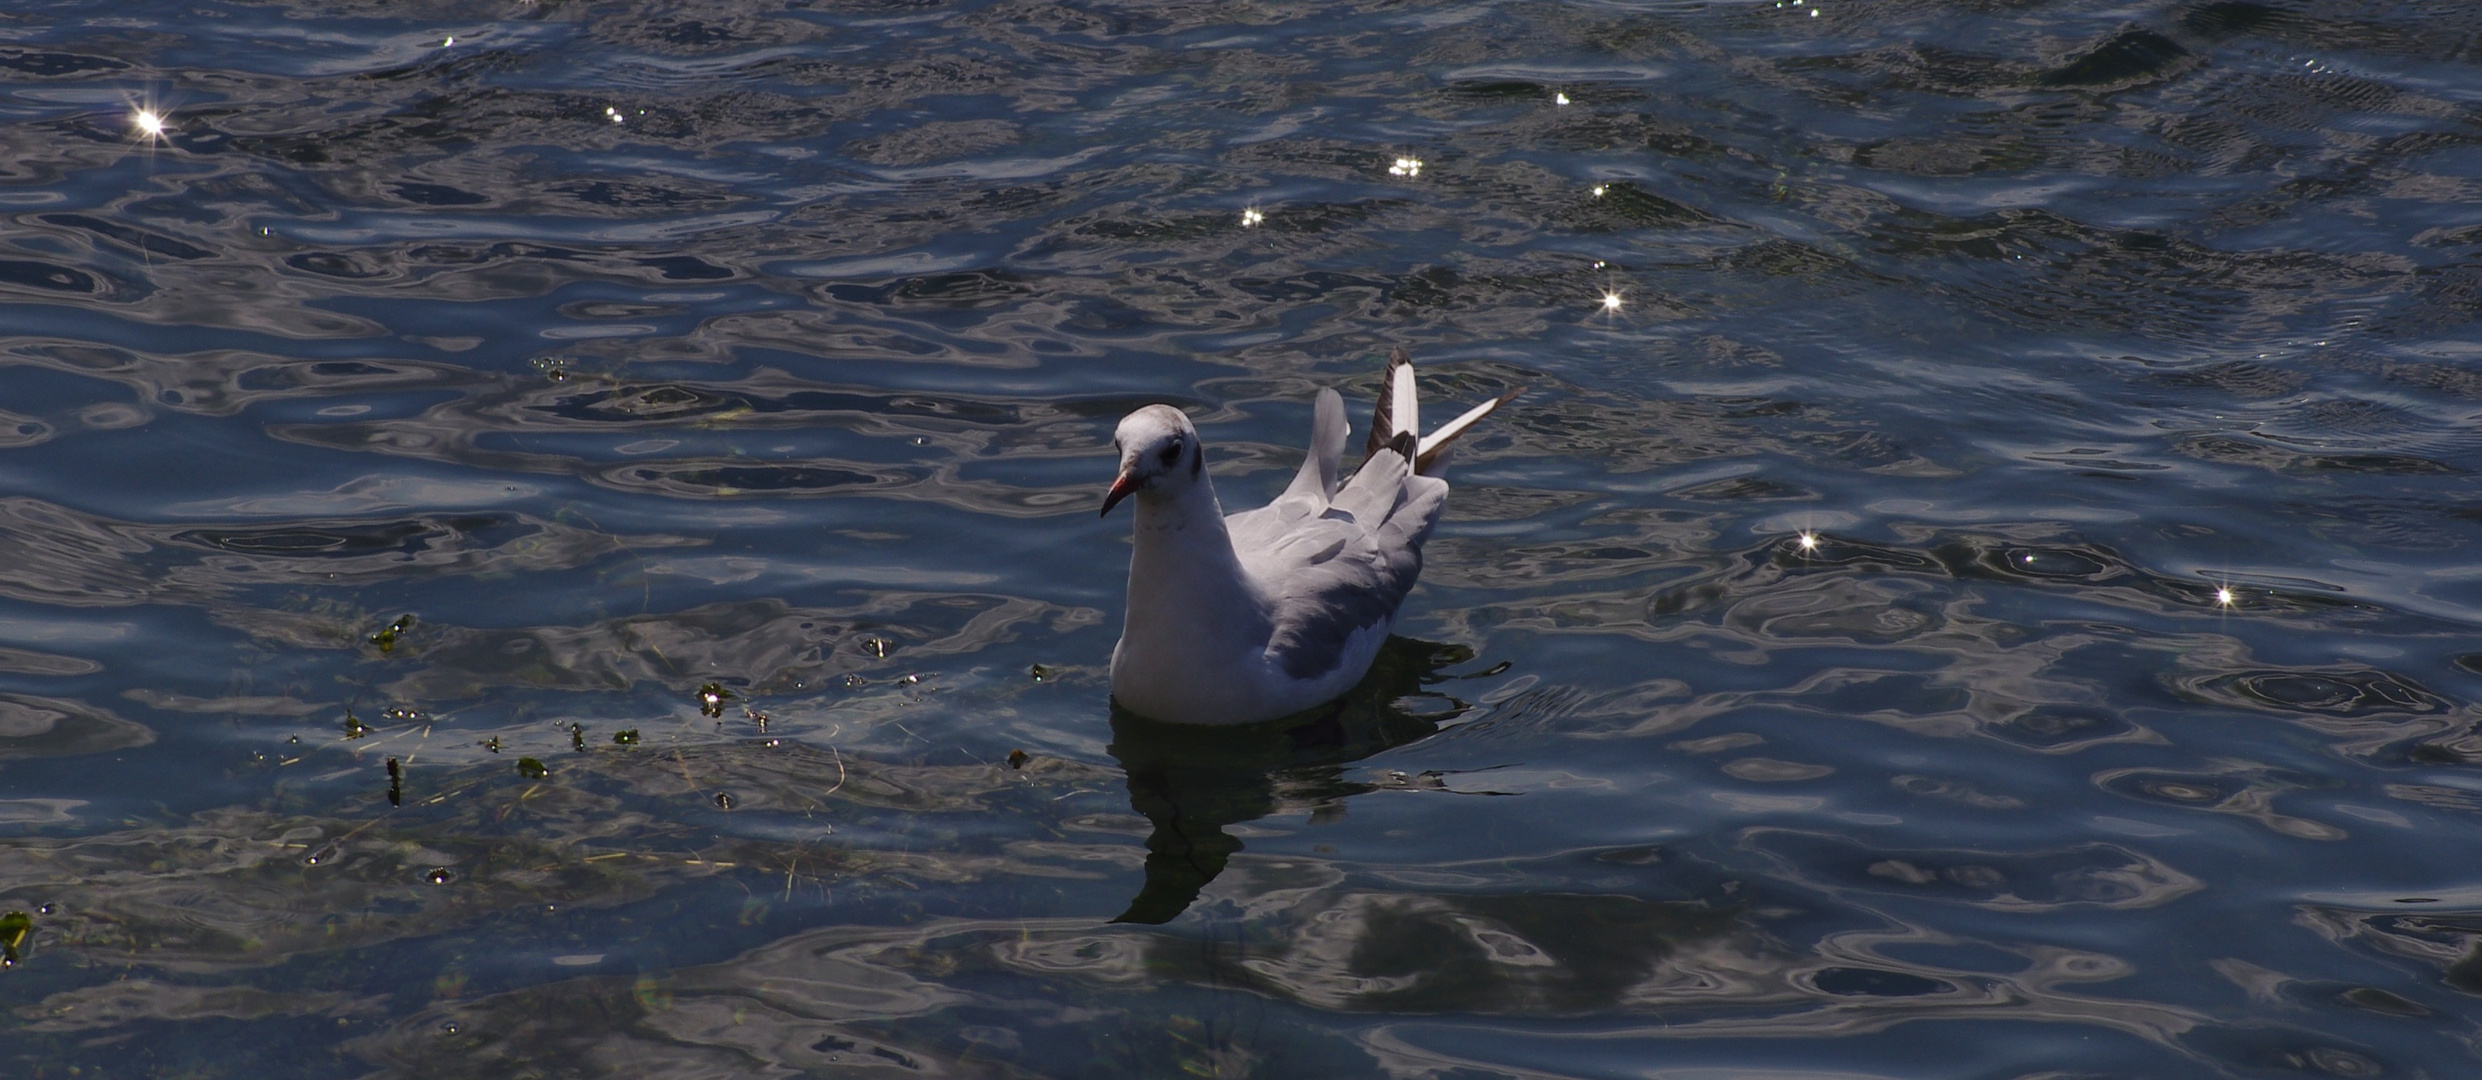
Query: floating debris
point(404, 714)
point(577, 737)
point(711, 698)
point(386, 639)
point(14, 927)
point(878, 648)
point(354, 727)
point(440, 875)
point(325, 853)
point(532, 768)
point(911, 680)
point(855, 682)
point(724, 800)
point(396, 784)
point(1041, 673)
point(1017, 759)
point(625, 737)
point(651, 993)
point(492, 744)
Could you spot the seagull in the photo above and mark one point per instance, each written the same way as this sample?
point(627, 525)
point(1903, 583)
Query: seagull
point(1268, 612)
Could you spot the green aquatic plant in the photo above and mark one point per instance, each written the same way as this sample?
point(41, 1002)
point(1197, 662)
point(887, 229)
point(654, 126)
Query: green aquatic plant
point(14, 927)
point(387, 637)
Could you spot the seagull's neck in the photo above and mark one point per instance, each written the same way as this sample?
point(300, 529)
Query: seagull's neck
point(1185, 582)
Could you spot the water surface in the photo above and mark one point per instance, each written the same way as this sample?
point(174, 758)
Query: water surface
point(557, 540)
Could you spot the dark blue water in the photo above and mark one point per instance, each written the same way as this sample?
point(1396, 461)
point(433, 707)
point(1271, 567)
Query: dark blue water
point(667, 437)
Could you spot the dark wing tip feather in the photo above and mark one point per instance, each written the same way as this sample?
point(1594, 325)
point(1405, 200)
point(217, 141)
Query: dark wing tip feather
point(1383, 418)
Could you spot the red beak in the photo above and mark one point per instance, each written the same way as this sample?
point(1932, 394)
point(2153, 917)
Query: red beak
point(1121, 488)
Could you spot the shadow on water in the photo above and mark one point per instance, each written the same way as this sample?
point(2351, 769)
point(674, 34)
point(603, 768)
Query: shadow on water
point(1193, 780)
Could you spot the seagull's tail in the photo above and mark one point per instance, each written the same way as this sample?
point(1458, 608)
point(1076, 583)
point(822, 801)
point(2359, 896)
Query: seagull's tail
point(1434, 448)
point(1400, 414)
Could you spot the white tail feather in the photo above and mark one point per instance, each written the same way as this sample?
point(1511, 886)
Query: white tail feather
point(1438, 442)
point(1400, 414)
point(1447, 433)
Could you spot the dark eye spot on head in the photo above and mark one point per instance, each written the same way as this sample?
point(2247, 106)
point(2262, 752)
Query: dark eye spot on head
point(1171, 453)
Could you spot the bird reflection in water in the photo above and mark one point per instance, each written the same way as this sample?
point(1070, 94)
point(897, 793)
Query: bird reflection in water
point(1192, 780)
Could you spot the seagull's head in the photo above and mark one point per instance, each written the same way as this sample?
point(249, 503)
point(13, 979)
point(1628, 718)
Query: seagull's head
point(1159, 454)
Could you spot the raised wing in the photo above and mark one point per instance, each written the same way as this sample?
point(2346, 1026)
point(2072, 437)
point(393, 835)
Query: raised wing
point(1349, 568)
point(1332, 560)
point(1400, 407)
point(1328, 430)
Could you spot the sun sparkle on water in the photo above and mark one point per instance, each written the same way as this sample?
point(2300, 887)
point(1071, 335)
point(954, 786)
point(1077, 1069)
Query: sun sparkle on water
point(148, 122)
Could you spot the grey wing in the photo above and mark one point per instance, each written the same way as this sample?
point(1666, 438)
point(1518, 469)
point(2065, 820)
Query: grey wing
point(1349, 568)
point(1317, 478)
point(1266, 527)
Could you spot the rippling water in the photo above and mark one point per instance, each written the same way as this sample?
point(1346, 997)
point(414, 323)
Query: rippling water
point(546, 539)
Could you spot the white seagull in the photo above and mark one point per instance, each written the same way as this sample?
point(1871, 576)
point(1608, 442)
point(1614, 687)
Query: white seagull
point(1234, 620)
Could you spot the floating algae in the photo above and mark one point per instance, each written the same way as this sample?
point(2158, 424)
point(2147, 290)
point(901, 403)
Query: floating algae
point(14, 927)
point(387, 638)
